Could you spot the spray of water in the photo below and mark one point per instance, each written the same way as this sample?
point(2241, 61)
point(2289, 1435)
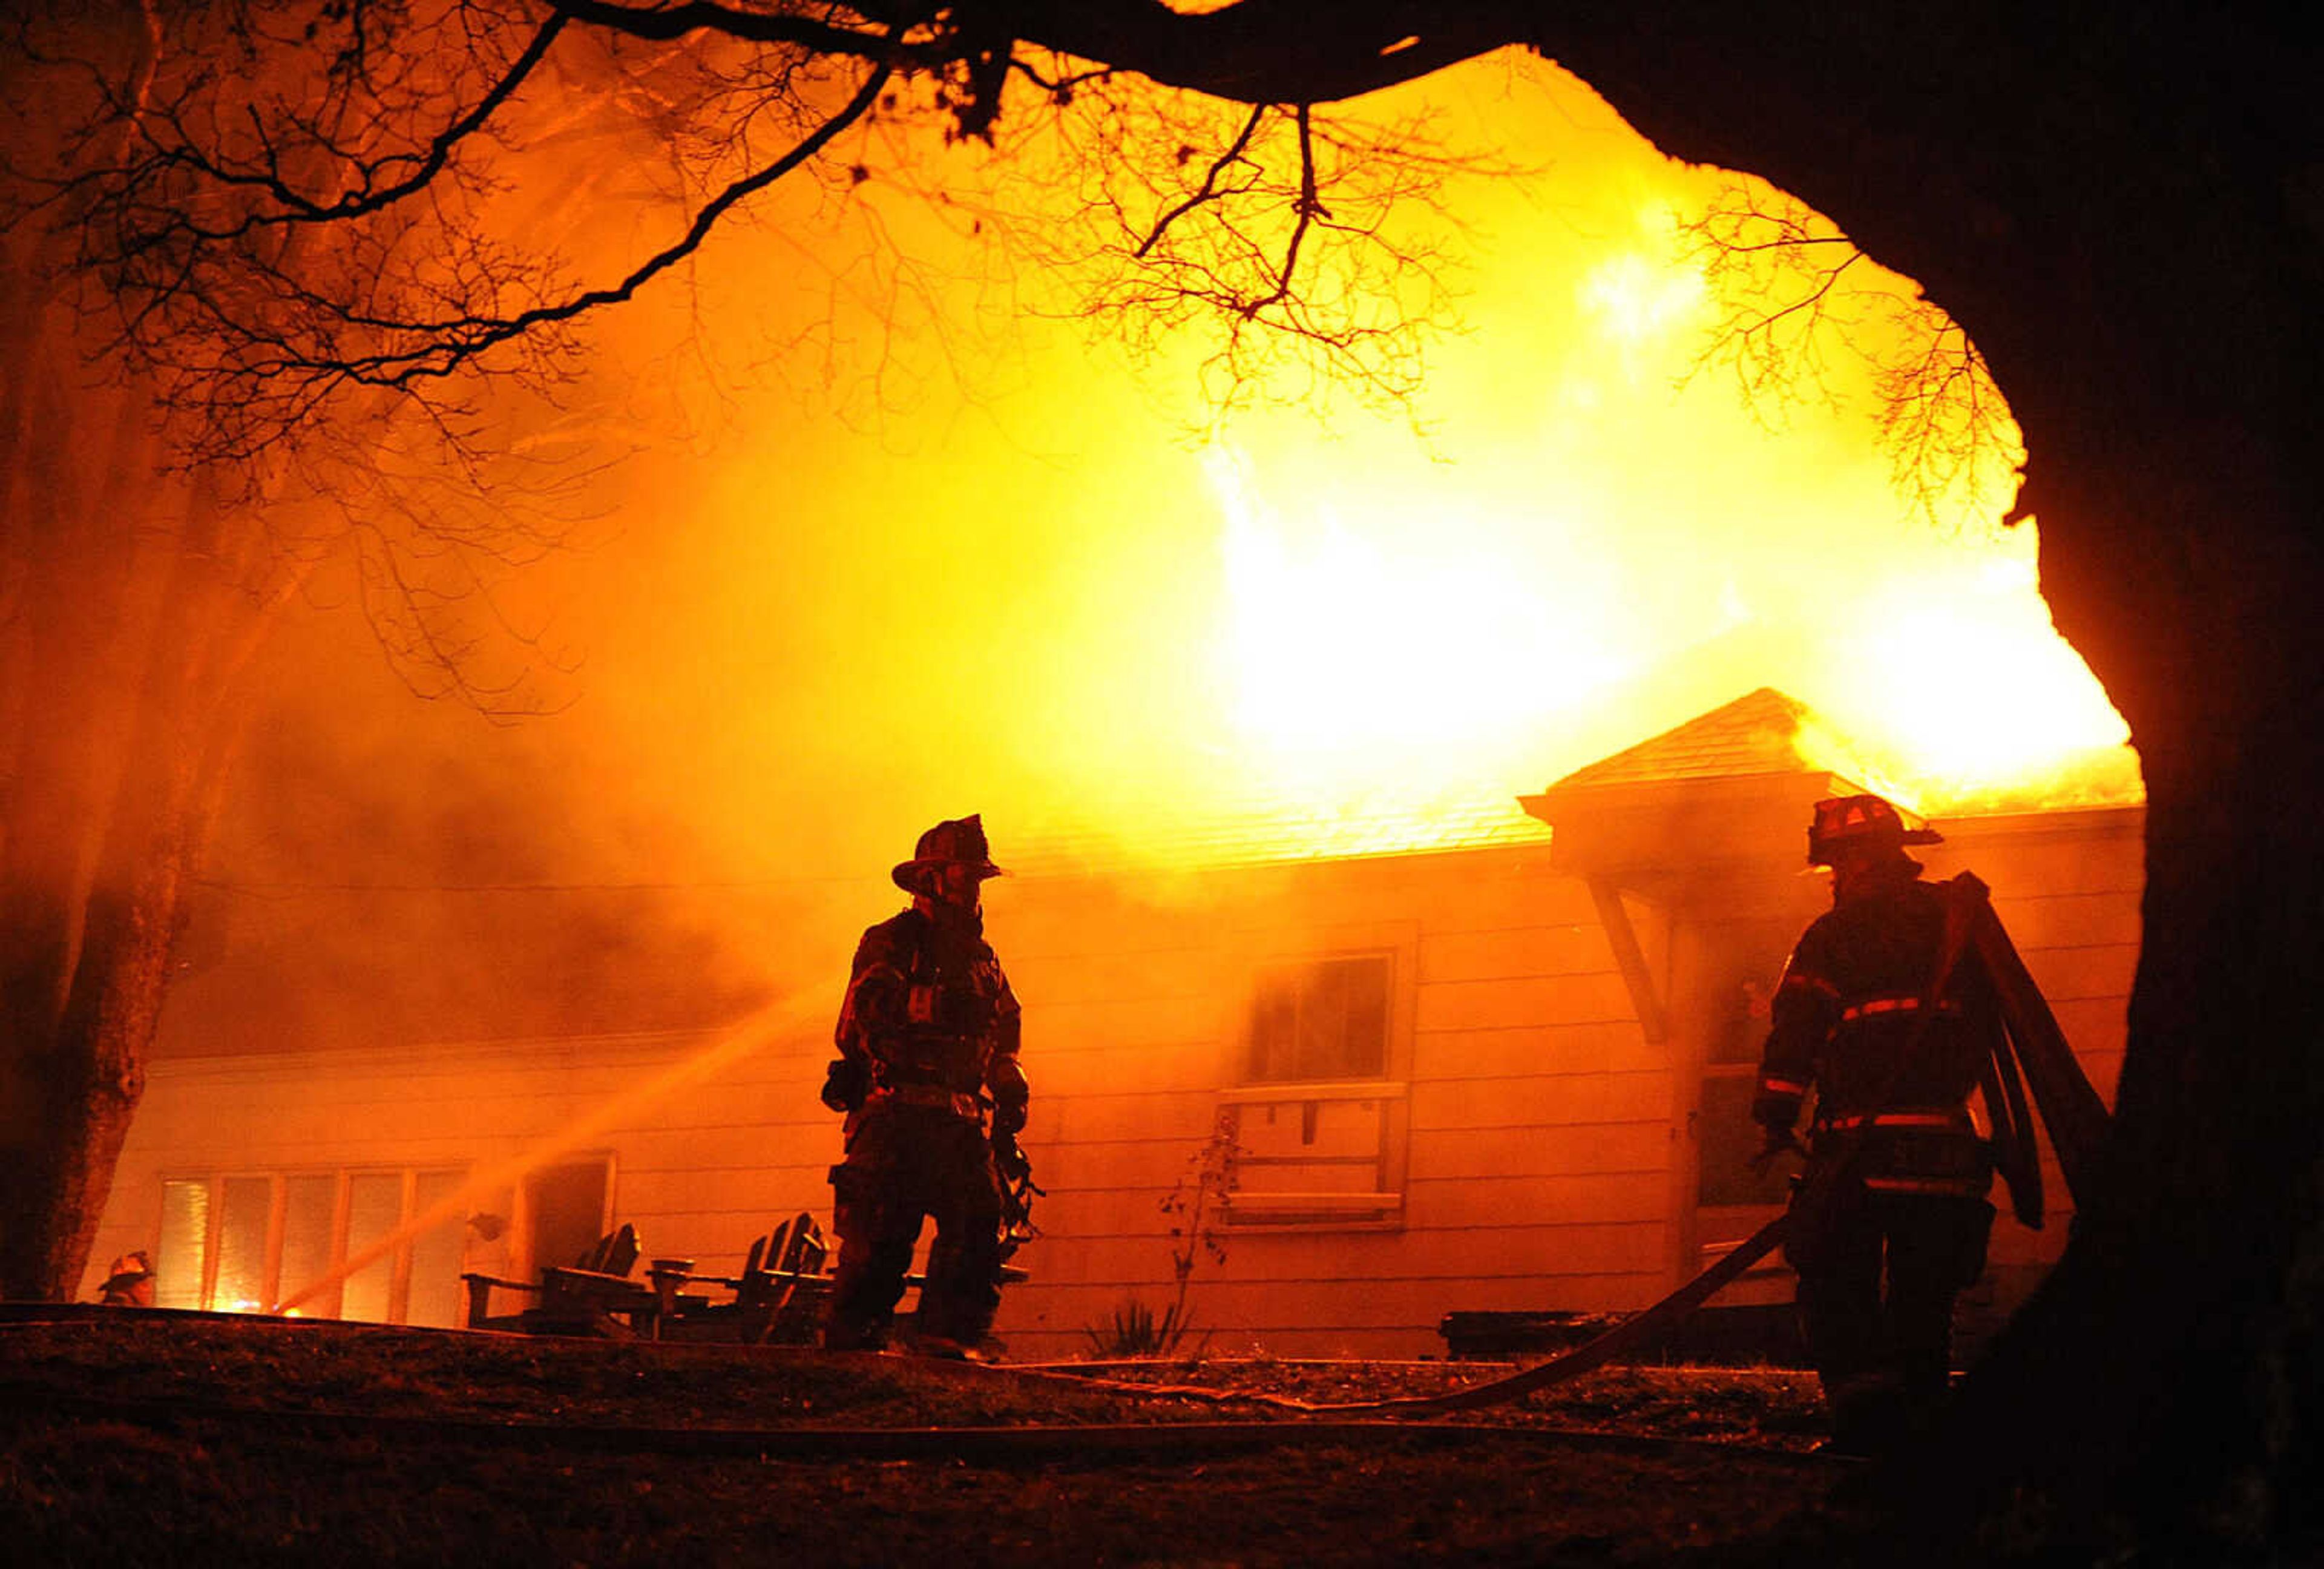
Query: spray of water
point(730, 1046)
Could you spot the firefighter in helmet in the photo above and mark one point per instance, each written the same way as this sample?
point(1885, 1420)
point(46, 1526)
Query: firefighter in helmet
point(1890, 1025)
point(928, 1075)
point(130, 1282)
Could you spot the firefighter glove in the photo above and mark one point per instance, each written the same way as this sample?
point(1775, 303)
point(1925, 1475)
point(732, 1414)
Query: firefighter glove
point(1006, 1079)
point(1010, 1159)
point(846, 1084)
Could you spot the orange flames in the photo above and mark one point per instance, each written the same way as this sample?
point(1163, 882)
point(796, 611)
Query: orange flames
point(1629, 543)
point(1380, 648)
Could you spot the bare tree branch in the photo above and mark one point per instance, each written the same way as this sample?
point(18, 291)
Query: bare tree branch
point(1208, 191)
point(1790, 288)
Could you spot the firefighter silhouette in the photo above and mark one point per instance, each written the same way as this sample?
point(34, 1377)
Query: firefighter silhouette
point(1890, 1023)
point(928, 1077)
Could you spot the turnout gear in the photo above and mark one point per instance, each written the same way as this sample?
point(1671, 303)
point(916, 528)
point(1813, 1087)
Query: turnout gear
point(928, 1037)
point(1887, 1012)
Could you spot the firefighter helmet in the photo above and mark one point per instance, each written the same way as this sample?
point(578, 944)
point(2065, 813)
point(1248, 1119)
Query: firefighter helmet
point(1861, 820)
point(956, 841)
point(130, 1282)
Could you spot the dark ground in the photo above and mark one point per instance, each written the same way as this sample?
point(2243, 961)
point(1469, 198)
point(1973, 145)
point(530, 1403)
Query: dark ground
point(168, 1439)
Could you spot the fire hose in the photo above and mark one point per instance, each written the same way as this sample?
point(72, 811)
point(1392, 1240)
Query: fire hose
point(1638, 1329)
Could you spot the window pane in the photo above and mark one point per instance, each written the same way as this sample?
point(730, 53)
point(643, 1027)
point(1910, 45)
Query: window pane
point(1274, 1028)
point(374, 1209)
point(1327, 1019)
point(248, 1206)
point(1323, 1023)
point(1367, 1055)
point(185, 1244)
point(435, 1292)
point(308, 1207)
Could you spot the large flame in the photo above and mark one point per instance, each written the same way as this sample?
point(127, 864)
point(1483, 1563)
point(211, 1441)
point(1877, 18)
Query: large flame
point(1378, 648)
point(1392, 632)
point(1399, 634)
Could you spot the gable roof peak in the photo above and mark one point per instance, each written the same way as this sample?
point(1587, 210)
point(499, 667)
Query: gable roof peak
point(1756, 733)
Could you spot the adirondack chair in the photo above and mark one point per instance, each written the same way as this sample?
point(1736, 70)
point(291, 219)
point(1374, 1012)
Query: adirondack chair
point(594, 1295)
point(778, 1297)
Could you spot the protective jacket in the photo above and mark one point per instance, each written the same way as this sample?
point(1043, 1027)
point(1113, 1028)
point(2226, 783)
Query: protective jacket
point(1892, 1068)
point(929, 1020)
point(927, 1042)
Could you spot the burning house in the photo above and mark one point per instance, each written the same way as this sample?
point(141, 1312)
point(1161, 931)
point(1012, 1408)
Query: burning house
point(1496, 1062)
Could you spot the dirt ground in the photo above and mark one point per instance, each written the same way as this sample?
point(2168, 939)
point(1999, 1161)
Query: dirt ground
point(162, 1438)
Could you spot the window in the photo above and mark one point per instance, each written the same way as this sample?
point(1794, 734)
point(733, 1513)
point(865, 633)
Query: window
point(240, 1243)
point(1327, 1019)
point(1317, 1119)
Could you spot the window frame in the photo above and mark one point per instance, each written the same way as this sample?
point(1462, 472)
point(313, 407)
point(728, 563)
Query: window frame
point(279, 1180)
point(1395, 945)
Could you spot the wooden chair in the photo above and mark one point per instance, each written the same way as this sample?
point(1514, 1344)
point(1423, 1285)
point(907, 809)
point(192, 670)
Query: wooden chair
point(780, 1293)
point(778, 1297)
point(594, 1295)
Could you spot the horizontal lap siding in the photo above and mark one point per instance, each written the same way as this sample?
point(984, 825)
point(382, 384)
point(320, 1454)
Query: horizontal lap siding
point(1513, 1051)
point(1550, 1103)
point(1514, 1251)
point(1538, 1119)
point(1367, 1316)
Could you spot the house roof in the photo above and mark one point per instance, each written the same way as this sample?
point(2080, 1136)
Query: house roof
point(1756, 733)
point(1725, 788)
point(1760, 735)
point(1280, 832)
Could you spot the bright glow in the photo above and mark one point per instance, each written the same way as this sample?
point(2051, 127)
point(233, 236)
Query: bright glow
point(1355, 634)
point(1638, 300)
point(1985, 688)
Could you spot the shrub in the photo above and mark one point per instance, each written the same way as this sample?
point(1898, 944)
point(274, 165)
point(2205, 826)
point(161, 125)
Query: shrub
point(1135, 1330)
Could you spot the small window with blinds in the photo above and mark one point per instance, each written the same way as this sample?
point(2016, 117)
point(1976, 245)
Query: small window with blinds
point(346, 1244)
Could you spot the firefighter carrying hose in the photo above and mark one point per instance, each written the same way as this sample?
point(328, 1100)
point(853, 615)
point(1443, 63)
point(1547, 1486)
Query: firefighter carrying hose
point(927, 1046)
point(1882, 1013)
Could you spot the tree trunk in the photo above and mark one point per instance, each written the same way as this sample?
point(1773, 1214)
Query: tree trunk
point(92, 1076)
point(2166, 1372)
point(123, 622)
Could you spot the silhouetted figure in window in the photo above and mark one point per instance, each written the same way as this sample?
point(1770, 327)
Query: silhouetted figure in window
point(927, 1053)
point(1891, 1025)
